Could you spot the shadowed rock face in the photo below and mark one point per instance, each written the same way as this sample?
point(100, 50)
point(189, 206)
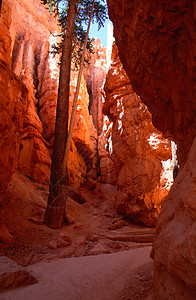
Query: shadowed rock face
point(157, 49)
point(156, 41)
point(13, 276)
point(174, 248)
point(13, 106)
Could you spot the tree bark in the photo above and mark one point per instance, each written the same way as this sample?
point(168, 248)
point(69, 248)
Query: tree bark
point(74, 108)
point(55, 211)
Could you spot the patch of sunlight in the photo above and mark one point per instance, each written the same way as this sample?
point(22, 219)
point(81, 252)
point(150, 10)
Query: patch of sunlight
point(154, 140)
point(110, 144)
point(107, 127)
point(120, 126)
point(105, 123)
point(166, 176)
point(100, 63)
point(115, 72)
point(118, 103)
point(74, 81)
point(79, 107)
point(53, 61)
point(121, 111)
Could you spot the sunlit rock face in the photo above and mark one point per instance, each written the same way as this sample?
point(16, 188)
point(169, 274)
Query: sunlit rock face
point(94, 74)
point(13, 104)
point(140, 154)
point(28, 33)
point(151, 39)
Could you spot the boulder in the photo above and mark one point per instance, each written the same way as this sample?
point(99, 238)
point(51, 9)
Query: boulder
point(13, 276)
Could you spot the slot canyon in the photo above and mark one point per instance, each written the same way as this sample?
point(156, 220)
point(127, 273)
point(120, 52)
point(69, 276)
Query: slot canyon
point(130, 227)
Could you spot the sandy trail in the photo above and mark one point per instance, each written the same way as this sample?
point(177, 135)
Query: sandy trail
point(100, 277)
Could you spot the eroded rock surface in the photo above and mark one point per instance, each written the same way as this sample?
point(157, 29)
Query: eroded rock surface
point(83, 155)
point(28, 33)
point(94, 75)
point(31, 40)
point(174, 248)
point(161, 66)
point(13, 94)
point(140, 155)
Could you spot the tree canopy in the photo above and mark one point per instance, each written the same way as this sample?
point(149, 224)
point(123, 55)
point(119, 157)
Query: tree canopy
point(60, 9)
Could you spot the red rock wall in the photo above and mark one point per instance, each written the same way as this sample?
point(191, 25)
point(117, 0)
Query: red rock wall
point(30, 31)
point(137, 149)
point(13, 105)
point(174, 249)
point(30, 34)
point(94, 74)
point(84, 139)
point(156, 41)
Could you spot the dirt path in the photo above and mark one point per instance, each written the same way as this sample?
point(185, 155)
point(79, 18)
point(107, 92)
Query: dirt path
point(96, 255)
point(92, 228)
point(101, 277)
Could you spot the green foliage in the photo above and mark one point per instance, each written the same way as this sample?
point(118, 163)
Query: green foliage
point(52, 5)
point(59, 8)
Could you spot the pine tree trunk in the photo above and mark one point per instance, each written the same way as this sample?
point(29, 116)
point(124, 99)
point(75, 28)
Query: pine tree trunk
point(55, 211)
point(74, 107)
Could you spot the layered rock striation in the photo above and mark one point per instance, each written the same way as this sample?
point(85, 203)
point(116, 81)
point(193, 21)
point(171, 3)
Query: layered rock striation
point(156, 42)
point(28, 34)
point(31, 40)
point(140, 155)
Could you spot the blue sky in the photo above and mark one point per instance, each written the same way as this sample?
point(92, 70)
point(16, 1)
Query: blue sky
point(102, 33)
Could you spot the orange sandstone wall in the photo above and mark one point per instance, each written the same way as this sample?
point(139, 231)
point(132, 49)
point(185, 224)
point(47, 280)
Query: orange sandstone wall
point(30, 30)
point(95, 74)
point(157, 49)
point(13, 104)
point(28, 33)
point(156, 41)
point(140, 154)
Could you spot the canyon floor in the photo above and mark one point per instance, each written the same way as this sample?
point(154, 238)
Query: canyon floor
point(98, 254)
